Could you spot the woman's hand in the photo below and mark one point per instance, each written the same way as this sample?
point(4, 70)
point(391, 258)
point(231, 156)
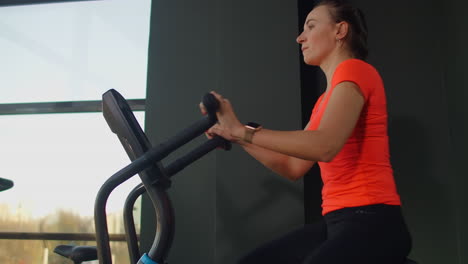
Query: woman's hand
point(228, 126)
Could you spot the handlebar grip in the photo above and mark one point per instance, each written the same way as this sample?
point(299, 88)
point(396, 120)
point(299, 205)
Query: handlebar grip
point(5, 184)
point(197, 153)
point(224, 144)
point(211, 104)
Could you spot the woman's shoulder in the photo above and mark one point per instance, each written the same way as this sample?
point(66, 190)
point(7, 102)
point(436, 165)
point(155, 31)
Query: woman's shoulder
point(360, 72)
point(356, 64)
point(355, 68)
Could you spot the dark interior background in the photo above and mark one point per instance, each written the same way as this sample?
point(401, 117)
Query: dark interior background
point(226, 203)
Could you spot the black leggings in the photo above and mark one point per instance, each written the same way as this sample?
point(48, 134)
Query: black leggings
point(362, 235)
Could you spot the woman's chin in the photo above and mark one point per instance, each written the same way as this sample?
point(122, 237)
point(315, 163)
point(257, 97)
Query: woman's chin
point(311, 61)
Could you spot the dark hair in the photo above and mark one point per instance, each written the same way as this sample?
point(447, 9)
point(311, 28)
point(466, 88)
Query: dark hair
point(340, 11)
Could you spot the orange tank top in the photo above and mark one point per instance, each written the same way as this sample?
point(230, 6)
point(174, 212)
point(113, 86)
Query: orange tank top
point(361, 173)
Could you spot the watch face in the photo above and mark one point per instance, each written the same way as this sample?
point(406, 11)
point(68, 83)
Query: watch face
point(252, 125)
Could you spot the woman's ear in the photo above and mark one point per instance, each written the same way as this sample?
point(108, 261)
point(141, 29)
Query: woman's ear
point(342, 30)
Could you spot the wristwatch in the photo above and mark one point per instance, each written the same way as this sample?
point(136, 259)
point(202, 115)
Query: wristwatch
point(250, 129)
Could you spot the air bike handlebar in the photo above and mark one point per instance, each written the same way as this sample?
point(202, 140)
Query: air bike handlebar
point(5, 184)
point(154, 176)
point(172, 169)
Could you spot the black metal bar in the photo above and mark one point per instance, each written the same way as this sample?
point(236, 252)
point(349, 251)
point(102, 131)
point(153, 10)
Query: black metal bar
point(62, 107)
point(165, 225)
point(129, 223)
point(152, 156)
point(152, 183)
point(196, 154)
point(189, 133)
point(34, 2)
point(100, 217)
point(57, 236)
point(5, 184)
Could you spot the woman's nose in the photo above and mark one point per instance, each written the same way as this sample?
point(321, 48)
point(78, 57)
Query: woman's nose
point(300, 38)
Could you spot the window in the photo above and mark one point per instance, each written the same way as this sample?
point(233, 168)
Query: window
point(65, 52)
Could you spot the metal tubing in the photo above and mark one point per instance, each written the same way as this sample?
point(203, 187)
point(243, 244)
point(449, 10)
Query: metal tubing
point(152, 156)
point(129, 223)
point(100, 218)
point(194, 155)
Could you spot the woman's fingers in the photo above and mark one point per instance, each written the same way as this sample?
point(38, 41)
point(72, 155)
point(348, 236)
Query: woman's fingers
point(203, 108)
point(227, 120)
point(209, 135)
point(215, 130)
point(224, 104)
point(217, 95)
point(218, 130)
point(220, 98)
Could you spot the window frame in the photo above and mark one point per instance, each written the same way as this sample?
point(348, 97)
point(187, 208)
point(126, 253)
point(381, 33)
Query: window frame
point(58, 107)
point(35, 2)
point(65, 107)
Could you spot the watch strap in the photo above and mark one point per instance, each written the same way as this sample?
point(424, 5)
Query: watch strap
point(250, 129)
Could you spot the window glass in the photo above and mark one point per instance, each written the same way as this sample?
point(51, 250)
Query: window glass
point(73, 51)
point(58, 163)
point(66, 52)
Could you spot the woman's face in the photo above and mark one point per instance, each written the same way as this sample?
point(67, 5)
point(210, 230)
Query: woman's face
point(318, 39)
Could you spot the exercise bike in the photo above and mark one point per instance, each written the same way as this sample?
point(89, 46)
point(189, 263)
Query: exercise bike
point(155, 177)
point(155, 180)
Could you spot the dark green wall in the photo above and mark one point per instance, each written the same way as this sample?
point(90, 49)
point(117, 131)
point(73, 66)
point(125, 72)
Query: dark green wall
point(227, 203)
point(456, 76)
point(419, 48)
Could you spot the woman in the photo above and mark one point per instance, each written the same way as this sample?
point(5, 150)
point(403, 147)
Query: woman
point(347, 136)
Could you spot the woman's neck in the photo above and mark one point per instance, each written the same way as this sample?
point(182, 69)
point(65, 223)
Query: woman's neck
point(329, 65)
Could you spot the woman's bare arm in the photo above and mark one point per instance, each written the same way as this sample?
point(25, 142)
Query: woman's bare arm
point(289, 167)
point(292, 153)
point(337, 124)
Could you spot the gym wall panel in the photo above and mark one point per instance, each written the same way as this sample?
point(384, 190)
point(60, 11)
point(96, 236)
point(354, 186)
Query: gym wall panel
point(456, 76)
point(259, 72)
point(226, 203)
point(416, 46)
point(181, 68)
